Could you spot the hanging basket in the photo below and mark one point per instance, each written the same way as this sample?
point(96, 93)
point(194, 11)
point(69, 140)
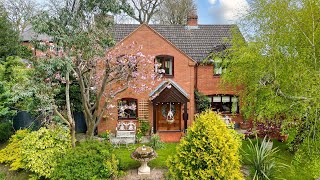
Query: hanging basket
point(170, 121)
point(170, 117)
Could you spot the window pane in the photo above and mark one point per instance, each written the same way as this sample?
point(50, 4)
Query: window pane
point(234, 99)
point(226, 107)
point(217, 67)
point(127, 108)
point(225, 98)
point(216, 98)
point(168, 65)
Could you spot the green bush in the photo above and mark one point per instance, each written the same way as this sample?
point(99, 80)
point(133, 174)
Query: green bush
point(12, 153)
point(209, 151)
point(41, 149)
point(202, 101)
point(307, 158)
point(36, 151)
point(88, 160)
point(5, 131)
point(144, 126)
point(263, 160)
point(155, 142)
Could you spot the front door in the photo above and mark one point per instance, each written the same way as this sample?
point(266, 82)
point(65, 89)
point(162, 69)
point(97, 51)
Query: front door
point(164, 123)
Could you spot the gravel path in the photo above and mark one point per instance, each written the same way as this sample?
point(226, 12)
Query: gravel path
point(156, 174)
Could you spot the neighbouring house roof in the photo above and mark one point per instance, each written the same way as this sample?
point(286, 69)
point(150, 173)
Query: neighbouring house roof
point(175, 92)
point(197, 43)
point(29, 35)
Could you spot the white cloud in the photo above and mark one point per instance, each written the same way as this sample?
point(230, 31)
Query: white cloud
point(213, 1)
point(228, 11)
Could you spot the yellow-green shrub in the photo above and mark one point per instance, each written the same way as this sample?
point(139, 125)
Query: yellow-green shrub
point(37, 151)
point(42, 149)
point(12, 153)
point(209, 151)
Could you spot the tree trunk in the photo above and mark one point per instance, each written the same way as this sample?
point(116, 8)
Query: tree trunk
point(73, 134)
point(69, 115)
point(90, 129)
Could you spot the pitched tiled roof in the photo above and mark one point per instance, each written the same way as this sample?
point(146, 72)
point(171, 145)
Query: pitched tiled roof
point(197, 43)
point(29, 35)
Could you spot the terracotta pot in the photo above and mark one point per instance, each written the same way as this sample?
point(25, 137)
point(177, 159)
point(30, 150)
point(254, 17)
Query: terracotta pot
point(283, 138)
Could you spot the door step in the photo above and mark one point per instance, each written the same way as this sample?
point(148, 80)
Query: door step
point(170, 136)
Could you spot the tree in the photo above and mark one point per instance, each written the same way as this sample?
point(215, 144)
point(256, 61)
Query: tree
point(279, 65)
point(13, 71)
point(144, 10)
point(175, 11)
point(8, 37)
point(81, 41)
point(20, 12)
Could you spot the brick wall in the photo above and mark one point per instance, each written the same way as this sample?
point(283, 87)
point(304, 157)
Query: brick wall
point(153, 44)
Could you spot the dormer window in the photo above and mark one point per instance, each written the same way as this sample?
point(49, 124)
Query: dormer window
point(218, 67)
point(165, 65)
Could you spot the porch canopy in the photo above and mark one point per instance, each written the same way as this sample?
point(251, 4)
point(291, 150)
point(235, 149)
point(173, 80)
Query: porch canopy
point(169, 91)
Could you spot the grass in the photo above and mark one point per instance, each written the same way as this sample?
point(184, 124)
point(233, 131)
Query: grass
point(283, 156)
point(127, 163)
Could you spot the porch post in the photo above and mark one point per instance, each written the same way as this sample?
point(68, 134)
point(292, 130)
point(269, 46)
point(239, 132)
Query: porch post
point(154, 118)
point(185, 116)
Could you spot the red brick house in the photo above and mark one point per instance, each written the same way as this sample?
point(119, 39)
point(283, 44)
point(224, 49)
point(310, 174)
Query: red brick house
point(180, 50)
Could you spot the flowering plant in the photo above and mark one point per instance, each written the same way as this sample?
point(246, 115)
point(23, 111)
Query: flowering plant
point(139, 135)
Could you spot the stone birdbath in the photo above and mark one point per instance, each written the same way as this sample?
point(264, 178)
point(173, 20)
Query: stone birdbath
point(144, 154)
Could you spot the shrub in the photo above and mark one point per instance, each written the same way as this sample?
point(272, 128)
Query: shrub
point(89, 160)
point(202, 101)
point(307, 157)
point(209, 151)
point(12, 153)
point(155, 142)
point(263, 160)
point(144, 126)
point(5, 131)
point(42, 149)
point(36, 151)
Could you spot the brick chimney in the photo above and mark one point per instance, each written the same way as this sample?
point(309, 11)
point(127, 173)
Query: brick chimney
point(192, 21)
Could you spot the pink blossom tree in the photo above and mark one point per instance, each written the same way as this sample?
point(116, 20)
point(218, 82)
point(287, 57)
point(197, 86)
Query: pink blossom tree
point(124, 67)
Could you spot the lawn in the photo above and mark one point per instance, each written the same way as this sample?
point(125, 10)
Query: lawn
point(126, 162)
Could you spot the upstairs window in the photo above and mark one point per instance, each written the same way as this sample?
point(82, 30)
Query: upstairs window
point(225, 103)
point(218, 67)
point(127, 108)
point(164, 65)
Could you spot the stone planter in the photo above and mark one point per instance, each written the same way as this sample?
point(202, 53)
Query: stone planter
point(144, 154)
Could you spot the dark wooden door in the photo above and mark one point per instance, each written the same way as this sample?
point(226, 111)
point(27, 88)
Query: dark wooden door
point(161, 117)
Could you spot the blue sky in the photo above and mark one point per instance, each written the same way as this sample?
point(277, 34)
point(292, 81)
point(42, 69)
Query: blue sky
point(221, 11)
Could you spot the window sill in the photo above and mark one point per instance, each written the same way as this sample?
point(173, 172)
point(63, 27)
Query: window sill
point(217, 75)
point(128, 119)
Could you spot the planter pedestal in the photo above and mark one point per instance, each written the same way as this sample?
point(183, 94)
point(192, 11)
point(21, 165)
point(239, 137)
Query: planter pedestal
point(144, 168)
point(144, 154)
